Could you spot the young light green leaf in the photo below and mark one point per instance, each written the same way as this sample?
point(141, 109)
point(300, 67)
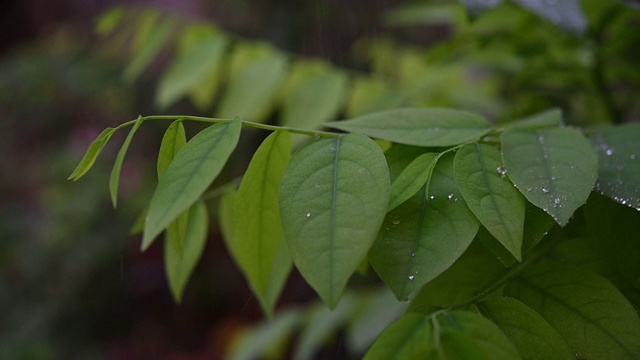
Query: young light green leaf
point(95, 148)
point(256, 73)
point(258, 238)
point(190, 173)
point(179, 267)
point(195, 62)
point(534, 338)
point(425, 235)
point(549, 118)
point(312, 95)
point(421, 127)
point(618, 151)
point(149, 48)
point(490, 195)
point(333, 198)
point(587, 310)
point(445, 335)
point(555, 169)
point(114, 180)
point(411, 179)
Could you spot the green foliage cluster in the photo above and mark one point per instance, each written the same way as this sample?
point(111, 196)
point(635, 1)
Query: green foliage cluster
point(492, 232)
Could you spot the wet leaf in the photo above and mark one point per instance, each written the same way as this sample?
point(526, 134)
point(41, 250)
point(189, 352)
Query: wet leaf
point(190, 173)
point(89, 158)
point(555, 169)
point(420, 127)
point(333, 198)
point(412, 179)
point(114, 180)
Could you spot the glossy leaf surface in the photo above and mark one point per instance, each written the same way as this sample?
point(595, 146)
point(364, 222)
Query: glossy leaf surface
point(490, 195)
point(333, 198)
point(193, 169)
point(555, 169)
point(416, 126)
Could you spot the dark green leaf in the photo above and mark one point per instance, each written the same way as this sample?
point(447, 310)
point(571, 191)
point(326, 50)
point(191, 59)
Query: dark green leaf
point(412, 179)
point(422, 237)
point(95, 148)
point(490, 195)
point(421, 127)
point(114, 180)
point(529, 332)
point(555, 169)
point(618, 151)
point(194, 168)
point(586, 309)
point(180, 266)
point(333, 198)
point(257, 242)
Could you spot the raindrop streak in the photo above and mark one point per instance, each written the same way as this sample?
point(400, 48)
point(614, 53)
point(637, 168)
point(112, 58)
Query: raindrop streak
point(501, 170)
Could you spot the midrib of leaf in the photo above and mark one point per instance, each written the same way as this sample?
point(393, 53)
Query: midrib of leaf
point(261, 221)
point(575, 311)
point(332, 217)
point(419, 229)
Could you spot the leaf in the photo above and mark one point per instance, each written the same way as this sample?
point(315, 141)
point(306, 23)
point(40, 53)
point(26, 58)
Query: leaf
point(257, 241)
point(529, 332)
point(549, 118)
point(256, 72)
point(179, 267)
point(425, 235)
point(370, 94)
point(555, 169)
point(149, 47)
point(566, 14)
point(420, 127)
point(587, 310)
point(445, 335)
point(312, 95)
point(108, 21)
point(189, 174)
point(114, 180)
point(490, 195)
point(196, 61)
point(618, 150)
point(411, 179)
point(333, 198)
point(95, 148)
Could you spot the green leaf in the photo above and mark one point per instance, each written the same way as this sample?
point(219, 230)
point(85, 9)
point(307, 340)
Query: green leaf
point(490, 195)
point(528, 331)
point(226, 215)
point(445, 335)
point(333, 198)
point(312, 95)
point(257, 242)
point(149, 47)
point(109, 21)
point(95, 148)
point(618, 151)
point(411, 179)
point(194, 168)
point(256, 73)
point(555, 169)
point(549, 118)
point(421, 127)
point(114, 180)
point(369, 94)
point(586, 309)
point(179, 267)
point(195, 62)
point(425, 235)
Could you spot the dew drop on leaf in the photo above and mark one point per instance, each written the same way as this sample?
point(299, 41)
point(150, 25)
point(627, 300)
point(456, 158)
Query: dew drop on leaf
point(308, 214)
point(501, 170)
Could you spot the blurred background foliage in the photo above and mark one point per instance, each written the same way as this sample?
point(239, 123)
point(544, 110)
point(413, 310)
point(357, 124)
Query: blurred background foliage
point(72, 281)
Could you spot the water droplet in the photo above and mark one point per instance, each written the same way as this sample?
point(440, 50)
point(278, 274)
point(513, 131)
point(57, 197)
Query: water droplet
point(529, 188)
point(395, 221)
point(632, 156)
point(610, 151)
point(556, 200)
point(501, 170)
point(545, 190)
point(450, 196)
point(410, 277)
point(413, 254)
point(308, 214)
point(431, 197)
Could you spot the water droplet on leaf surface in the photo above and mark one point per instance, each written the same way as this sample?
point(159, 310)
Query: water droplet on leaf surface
point(501, 170)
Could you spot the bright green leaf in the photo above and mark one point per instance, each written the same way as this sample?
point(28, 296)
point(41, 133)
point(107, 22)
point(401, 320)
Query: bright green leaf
point(149, 47)
point(555, 169)
point(333, 198)
point(528, 331)
point(587, 310)
point(490, 195)
point(114, 180)
point(618, 151)
point(190, 173)
point(257, 239)
point(425, 235)
point(411, 179)
point(180, 266)
point(444, 335)
point(549, 118)
point(95, 148)
point(416, 126)
point(256, 73)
